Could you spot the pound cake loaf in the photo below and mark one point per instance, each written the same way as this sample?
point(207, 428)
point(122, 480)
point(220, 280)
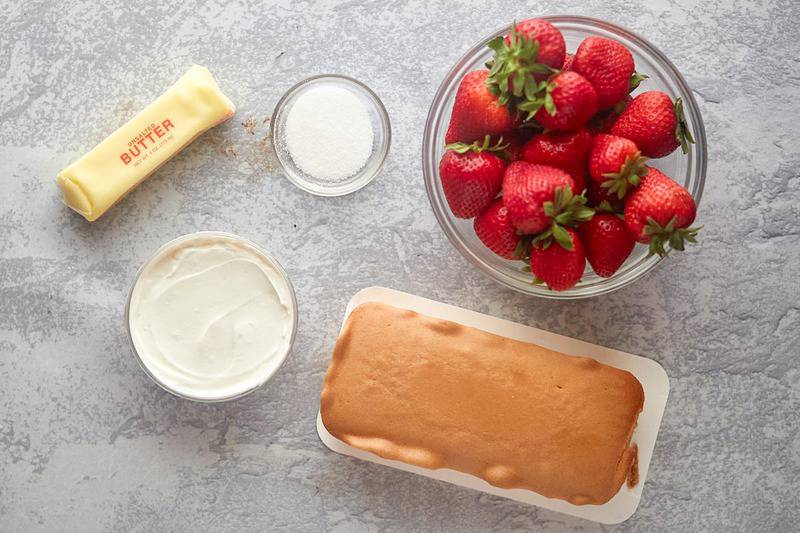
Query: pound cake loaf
point(437, 394)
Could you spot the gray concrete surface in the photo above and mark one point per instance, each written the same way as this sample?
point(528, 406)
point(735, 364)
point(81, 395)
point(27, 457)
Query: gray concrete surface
point(87, 443)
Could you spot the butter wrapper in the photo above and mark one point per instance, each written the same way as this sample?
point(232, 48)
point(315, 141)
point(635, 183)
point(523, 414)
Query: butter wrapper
point(99, 179)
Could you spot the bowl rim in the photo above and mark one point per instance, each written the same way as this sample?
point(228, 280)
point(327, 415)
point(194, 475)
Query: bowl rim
point(258, 249)
point(430, 170)
point(355, 185)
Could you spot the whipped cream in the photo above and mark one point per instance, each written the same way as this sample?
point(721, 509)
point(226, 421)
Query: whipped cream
point(211, 317)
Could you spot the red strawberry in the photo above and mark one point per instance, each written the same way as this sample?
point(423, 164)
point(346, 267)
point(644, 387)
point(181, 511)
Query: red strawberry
point(552, 47)
point(531, 51)
point(607, 242)
point(568, 151)
point(566, 102)
point(655, 124)
point(471, 176)
point(476, 111)
point(526, 188)
point(568, 61)
point(495, 230)
point(596, 195)
point(559, 265)
point(616, 163)
point(608, 66)
point(660, 211)
point(603, 121)
point(515, 143)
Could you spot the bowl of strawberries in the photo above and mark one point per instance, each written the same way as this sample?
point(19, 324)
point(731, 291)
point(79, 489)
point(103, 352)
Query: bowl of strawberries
point(565, 157)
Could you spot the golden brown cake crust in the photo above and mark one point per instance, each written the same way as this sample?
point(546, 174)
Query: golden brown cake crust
point(437, 394)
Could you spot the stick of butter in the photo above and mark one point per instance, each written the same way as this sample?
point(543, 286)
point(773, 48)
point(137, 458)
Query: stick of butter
point(99, 179)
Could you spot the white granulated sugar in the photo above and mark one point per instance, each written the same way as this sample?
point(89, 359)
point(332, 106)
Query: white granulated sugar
point(329, 133)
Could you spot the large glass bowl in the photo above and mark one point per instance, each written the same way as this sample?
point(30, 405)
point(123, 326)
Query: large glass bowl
point(687, 169)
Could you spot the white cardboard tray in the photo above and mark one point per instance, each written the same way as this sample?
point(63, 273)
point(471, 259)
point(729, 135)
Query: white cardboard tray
point(651, 375)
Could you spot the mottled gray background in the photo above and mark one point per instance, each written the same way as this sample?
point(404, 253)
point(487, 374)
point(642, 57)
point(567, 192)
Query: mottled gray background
point(88, 443)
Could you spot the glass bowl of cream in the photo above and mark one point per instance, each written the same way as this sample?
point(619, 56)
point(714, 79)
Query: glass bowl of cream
point(211, 316)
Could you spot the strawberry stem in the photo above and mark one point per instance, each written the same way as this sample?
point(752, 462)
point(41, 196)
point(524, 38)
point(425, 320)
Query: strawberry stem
point(682, 133)
point(635, 80)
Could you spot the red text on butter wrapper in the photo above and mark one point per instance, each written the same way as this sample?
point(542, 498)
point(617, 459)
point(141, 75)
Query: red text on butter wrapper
point(146, 139)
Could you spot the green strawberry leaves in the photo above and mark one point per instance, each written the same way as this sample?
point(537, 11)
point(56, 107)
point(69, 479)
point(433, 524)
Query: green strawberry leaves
point(523, 249)
point(477, 147)
point(512, 72)
point(605, 207)
point(630, 174)
point(566, 209)
point(683, 135)
point(676, 237)
point(536, 96)
point(562, 237)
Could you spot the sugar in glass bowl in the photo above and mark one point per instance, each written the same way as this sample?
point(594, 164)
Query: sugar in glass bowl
point(687, 169)
point(381, 142)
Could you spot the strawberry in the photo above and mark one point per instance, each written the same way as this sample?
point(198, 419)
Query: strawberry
point(568, 60)
point(568, 151)
point(515, 143)
point(495, 230)
point(471, 175)
point(565, 102)
point(655, 124)
point(607, 65)
point(660, 211)
point(607, 243)
point(477, 112)
point(531, 51)
point(558, 265)
point(552, 48)
point(616, 163)
point(603, 121)
point(597, 196)
point(526, 188)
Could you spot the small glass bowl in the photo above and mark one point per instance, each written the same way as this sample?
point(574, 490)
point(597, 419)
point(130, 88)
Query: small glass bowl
point(380, 145)
point(264, 255)
point(687, 169)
